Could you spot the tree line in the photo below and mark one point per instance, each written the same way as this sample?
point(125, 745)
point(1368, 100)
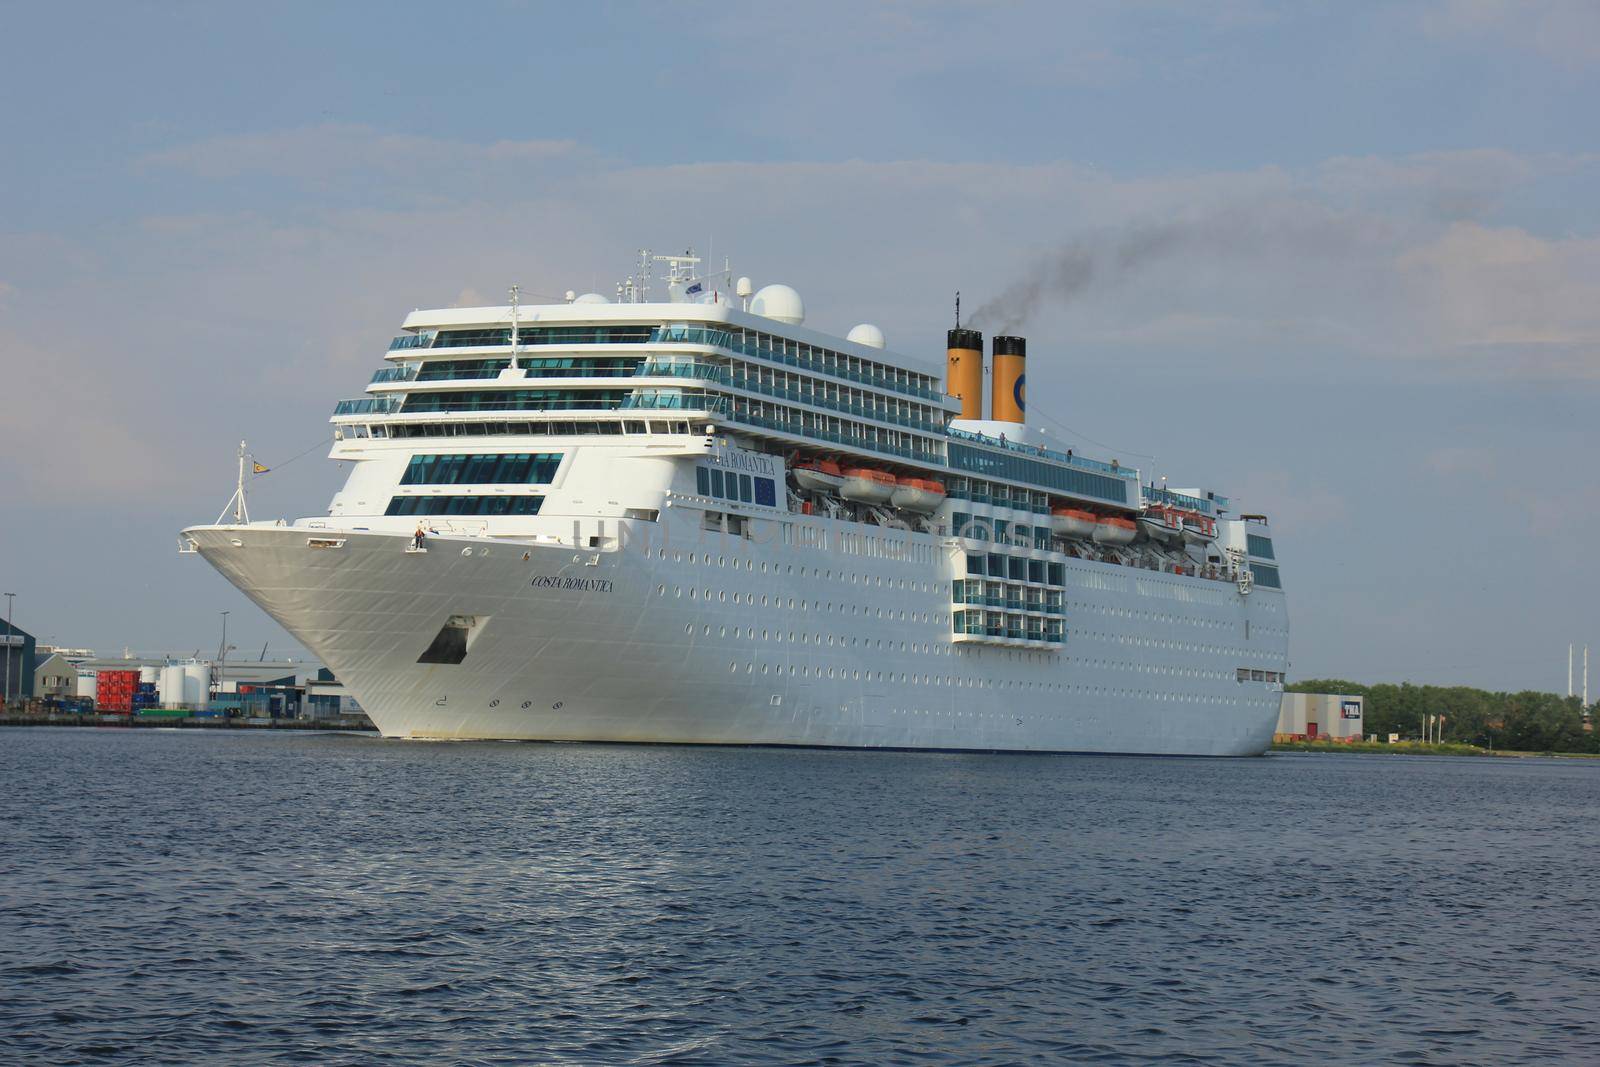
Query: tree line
point(1528, 721)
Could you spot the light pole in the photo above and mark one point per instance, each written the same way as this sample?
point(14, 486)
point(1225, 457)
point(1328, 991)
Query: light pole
point(5, 694)
point(222, 654)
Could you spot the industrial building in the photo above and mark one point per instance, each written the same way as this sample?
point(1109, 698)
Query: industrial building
point(17, 650)
point(54, 675)
point(1320, 717)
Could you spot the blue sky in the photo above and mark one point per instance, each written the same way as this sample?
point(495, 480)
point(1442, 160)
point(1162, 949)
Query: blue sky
point(1376, 315)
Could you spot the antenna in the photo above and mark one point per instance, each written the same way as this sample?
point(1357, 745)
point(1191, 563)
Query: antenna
point(641, 289)
point(958, 309)
point(516, 300)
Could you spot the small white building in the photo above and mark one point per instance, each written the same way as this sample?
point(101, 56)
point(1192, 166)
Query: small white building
point(1320, 717)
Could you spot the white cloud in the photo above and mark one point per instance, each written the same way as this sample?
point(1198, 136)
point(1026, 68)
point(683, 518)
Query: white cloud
point(1567, 30)
point(1484, 292)
point(332, 149)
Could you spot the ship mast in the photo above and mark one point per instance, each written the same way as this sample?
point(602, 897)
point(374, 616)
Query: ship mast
point(516, 294)
point(241, 510)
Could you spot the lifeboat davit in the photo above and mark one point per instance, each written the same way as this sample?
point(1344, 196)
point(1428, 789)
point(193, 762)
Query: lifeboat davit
point(1073, 522)
point(819, 475)
point(1110, 530)
point(867, 485)
point(917, 494)
point(1199, 529)
point(1162, 524)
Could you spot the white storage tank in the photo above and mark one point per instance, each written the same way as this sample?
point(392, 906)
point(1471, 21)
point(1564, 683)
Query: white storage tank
point(197, 685)
point(149, 675)
point(170, 686)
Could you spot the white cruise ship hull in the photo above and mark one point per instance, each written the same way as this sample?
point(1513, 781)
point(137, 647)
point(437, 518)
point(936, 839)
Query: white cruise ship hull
point(714, 640)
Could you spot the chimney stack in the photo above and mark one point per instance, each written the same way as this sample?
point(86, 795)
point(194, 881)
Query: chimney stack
point(1008, 389)
point(964, 370)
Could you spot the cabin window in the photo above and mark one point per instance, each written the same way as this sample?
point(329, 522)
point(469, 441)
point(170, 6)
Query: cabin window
point(464, 505)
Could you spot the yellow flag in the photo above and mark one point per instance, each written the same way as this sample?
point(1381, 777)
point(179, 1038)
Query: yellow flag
point(258, 468)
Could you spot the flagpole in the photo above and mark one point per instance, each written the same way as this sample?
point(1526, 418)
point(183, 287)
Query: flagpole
point(241, 510)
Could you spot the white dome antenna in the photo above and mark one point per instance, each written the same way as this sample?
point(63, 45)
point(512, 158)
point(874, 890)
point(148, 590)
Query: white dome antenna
point(866, 334)
point(571, 296)
point(742, 289)
point(779, 302)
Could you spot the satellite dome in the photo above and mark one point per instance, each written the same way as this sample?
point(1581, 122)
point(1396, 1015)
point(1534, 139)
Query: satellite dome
point(591, 298)
point(866, 334)
point(779, 302)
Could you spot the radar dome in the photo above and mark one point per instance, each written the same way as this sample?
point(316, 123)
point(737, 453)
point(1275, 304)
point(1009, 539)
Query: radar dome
point(743, 287)
point(591, 298)
point(779, 302)
point(866, 334)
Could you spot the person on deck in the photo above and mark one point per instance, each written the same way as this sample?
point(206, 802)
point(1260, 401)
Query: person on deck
point(418, 537)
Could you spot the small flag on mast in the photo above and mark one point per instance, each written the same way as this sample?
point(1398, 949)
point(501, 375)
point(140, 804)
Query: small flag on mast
point(258, 468)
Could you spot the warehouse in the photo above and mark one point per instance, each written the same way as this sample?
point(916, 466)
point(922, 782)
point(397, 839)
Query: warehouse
point(1319, 717)
point(16, 662)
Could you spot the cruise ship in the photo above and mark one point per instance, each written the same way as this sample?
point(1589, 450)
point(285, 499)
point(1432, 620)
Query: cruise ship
point(692, 519)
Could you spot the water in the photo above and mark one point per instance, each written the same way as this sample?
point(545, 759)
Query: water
point(254, 898)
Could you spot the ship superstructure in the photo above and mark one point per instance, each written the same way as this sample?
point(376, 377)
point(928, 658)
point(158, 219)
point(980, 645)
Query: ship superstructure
point(696, 520)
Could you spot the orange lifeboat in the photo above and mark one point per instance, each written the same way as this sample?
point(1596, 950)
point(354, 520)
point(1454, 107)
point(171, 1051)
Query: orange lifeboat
point(1199, 529)
point(918, 494)
point(1163, 523)
point(1110, 530)
point(819, 475)
point(867, 485)
point(1073, 522)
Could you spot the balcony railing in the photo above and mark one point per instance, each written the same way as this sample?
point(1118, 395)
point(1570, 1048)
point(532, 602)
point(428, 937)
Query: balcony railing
point(369, 405)
point(402, 373)
point(1046, 453)
point(848, 440)
point(1155, 494)
point(702, 335)
point(412, 340)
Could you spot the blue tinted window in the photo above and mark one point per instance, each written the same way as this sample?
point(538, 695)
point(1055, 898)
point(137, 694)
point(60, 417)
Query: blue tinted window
point(464, 505)
point(514, 468)
point(996, 463)
point(1259, 546)
point(702, 481)
point(1267, 575)
point(716, 482)
point(744, 488)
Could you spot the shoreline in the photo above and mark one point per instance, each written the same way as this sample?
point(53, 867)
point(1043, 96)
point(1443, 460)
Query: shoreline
point(1419, 748)
point(121, 722)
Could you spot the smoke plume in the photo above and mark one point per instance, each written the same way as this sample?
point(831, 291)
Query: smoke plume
point(1063, 274)
point(1261, 231)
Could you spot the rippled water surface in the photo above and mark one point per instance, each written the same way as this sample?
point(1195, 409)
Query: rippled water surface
point(246, 898)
